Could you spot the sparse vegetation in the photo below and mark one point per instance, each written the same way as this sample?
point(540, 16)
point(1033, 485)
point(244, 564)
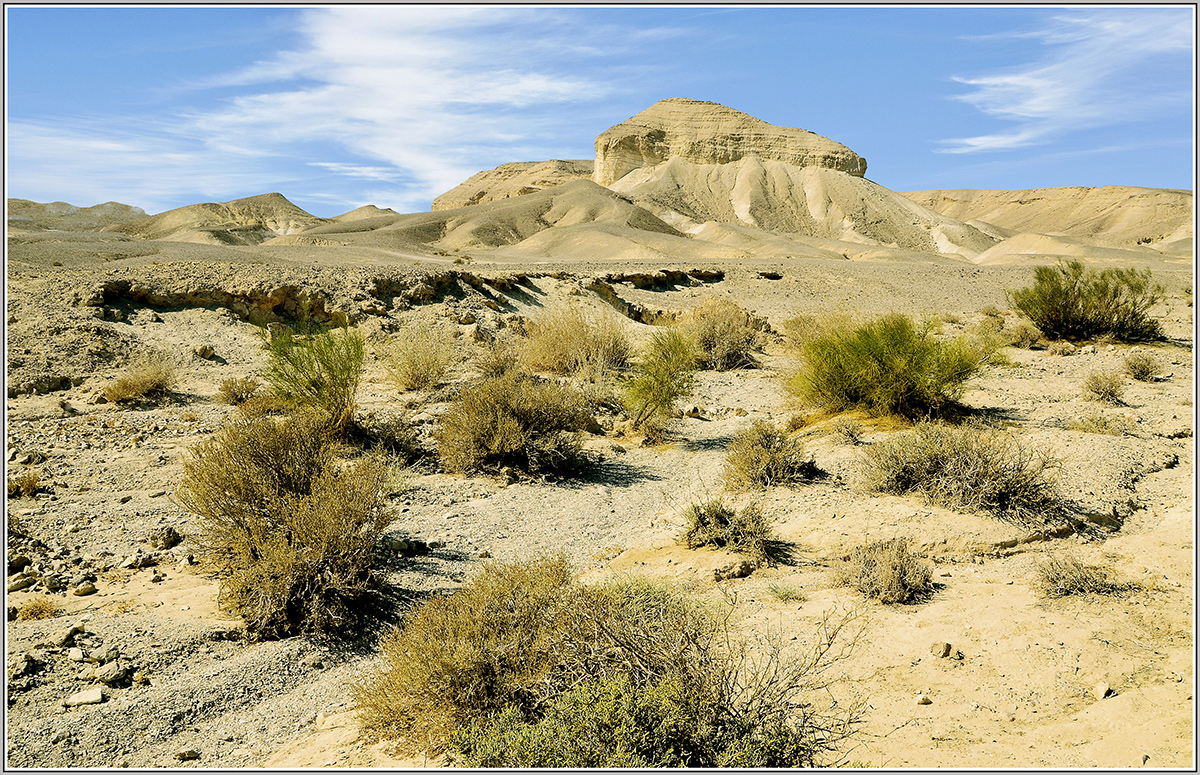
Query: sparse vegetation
point(389, 434)
point(147, 376)
point(786, 593)
point(1067, 301)
point(1063, 575)
point(419, 356)
point(238, 390)
point(664, 374)
point(887, 366)
point(262, 405)
point(713, 523)
point(762, 455)
point(40, 607)
point(966, 467)
point(318, 369)
point(516, 420)
point(726, 335)
point(569, 340)
point(1061, 347)
point(499, 357)
point(1105, 386)
point(1025, 335)
point(1099, 423)
point(1142, 366)
point(27, 483)
point(526, 667)
point(848, 431)
point(888, 571)
point(290, 532)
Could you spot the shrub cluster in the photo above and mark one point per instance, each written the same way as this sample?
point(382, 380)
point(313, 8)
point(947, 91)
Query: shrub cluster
point(887, 366)
point(967, 467)
point(1142, 366)
point(1062, 575)
point(290, 532)
point(888, 571)
point(762, 455)
point(419, 356)
point(526, 667)
point(1105, 386)
point(665, 373)
point(569, 340)
point(499, 357)
point(238, 390)
point(42, 607)
point(317, 369)
point(726, 335)
point(515, 420)
point(1067, 301)
point(148, 375)
point(713, 523)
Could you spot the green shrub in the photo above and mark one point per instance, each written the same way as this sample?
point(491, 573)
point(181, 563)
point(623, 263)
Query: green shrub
point(290, 533)
point(526, 667)
point(515, 420)
point(762, 455)
point(1068, 302)
point(1062, 575)
point(148, 375)
point(665, 373)
point(419, 357)
point(726, 335)
point(238, 390)
point(316, 369)
point(887, 366)
point(1105, 386)
point(967, 467)
point(566, 339)
point(786, 593)
point(1142, 366)
point(748, 531)
point(888, 571)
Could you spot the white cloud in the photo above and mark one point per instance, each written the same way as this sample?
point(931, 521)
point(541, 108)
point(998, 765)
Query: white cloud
point(1103, 68)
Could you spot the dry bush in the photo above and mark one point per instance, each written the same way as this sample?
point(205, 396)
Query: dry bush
point(313, 368)
point(967, 467)
point(1025, 335)
point(419, 356)
point(290, 532)
point(147, 376)
point(392, 435)
point(1059, 576)
point(515, 420)
point(713, 523)
point(1069, 302)
point(238, 390)
point(1061, 347)
point(762, 455)
point(568, 339)
point(665, 372)
point(848, 431)
point(726, 335)
point(1142, 366)
point(786, 593)
point(1099, 423)
point(499, 357)
point(1105, 386)
point(41, 607)
point(888, 366)
point(526, 667)
point(263, 405)
point(991, 311)
point(888, 571)
point(27, 483)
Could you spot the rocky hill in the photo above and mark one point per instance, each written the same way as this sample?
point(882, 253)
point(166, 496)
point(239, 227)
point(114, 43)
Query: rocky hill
point(248, 221)
point(513, 179)
point(24, 215)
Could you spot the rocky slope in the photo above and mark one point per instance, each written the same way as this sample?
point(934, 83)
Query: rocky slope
point(513, 179)
point(24, 215)
point(248, 221)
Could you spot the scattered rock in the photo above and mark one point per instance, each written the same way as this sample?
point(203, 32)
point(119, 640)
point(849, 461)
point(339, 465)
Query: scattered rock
point(24, 582)
point(93, 696)
point(737, 570)
point(111, 673)
point(204, 351)
point(1102, 690)
point(923, 699)
point(77, 655)
point(86, 588)
point(941, 649)
point(187, 754)
point(18, 563)
point(66, 637)
point(693, 411)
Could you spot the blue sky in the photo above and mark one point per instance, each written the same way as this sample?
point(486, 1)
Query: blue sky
point(340, 106)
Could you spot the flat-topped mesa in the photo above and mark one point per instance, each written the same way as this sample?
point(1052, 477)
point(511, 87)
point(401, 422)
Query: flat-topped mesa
point(709, 133)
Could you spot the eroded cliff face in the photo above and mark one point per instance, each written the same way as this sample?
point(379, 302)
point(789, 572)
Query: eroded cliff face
point(709, 133)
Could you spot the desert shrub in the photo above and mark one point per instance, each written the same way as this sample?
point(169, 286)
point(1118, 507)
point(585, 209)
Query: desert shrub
point(392, 435)
point(147, 376)
point(1063, 575)
point(290, 532)
point(1099, 423)
point(887, 366)
point(888, 571)
point(713, 523)
point(515, 420)
point(238, 390)
point(848, 431)
point(967, 467)
point(419, 357)
point(1024, 335)
point(40, 607)
point(499, 357)
point(1068, 302)
point(786, 593)
point(316, 368)
point(991, 311)
point(664, 374)
point(569, 340)
point(1142, 366)
point(1061, 347)
point(27, 483)
point(526, 667)
point(1106, 386)
point(263, 405)
point(726, 335)
point(762, 455)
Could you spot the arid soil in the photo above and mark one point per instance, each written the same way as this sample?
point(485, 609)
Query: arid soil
point(1019, 689)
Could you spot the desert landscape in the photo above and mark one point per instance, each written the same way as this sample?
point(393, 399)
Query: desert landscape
point(119, 652)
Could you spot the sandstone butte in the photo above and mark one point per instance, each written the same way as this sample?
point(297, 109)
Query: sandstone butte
point(709, 133)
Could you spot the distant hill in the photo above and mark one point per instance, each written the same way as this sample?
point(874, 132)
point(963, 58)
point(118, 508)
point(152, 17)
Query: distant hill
point(248, 221)
point(33, 216)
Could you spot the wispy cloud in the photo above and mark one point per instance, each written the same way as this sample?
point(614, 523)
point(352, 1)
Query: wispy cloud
point(1102, 68)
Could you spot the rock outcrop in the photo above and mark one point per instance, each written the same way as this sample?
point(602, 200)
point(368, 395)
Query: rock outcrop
point(249, 221)
point(513, 179)
point(709, 133)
